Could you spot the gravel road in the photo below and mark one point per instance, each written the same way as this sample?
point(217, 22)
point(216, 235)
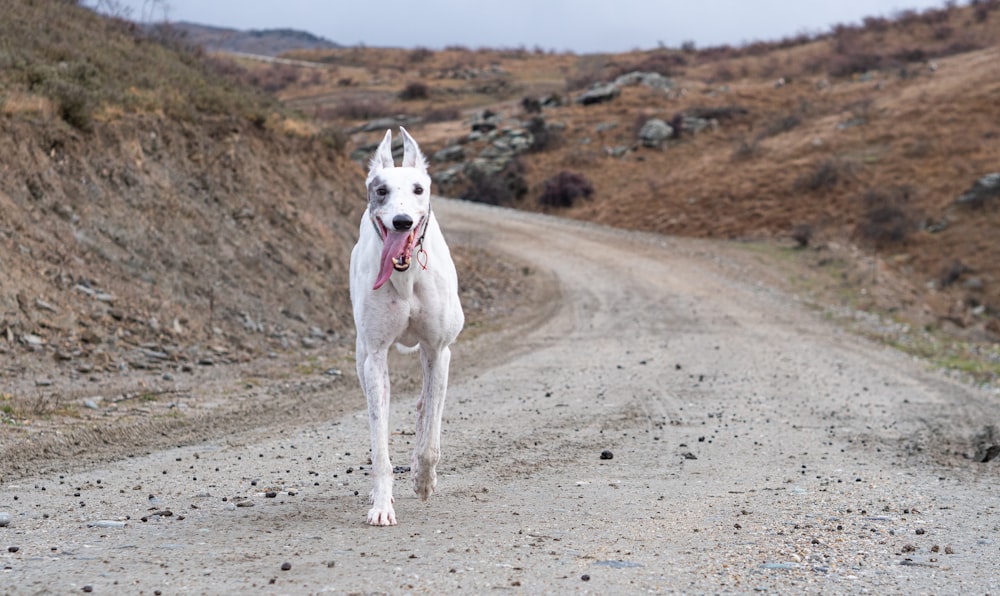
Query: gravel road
point(660, 422)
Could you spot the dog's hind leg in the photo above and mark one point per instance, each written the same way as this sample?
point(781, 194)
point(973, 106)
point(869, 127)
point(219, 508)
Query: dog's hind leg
point(427, 452)
point(373, 369)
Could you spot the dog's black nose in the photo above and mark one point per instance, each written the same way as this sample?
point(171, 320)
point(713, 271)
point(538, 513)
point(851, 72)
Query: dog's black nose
point(402, 222)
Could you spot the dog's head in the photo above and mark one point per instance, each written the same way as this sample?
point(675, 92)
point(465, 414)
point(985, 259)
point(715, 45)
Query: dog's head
point(398, 202)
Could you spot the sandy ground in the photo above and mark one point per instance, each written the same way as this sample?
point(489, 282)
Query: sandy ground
point(660, 422)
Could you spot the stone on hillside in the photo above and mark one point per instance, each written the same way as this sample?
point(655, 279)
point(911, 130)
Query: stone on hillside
point(382, 124)
point(450, 153)
point(450, 175)
point(486, 121)
point(653, 80)
point(599, 93)
point(551, 101)
point(654, 132)
point(984, 190)
point(365, 152)
point(695, 125)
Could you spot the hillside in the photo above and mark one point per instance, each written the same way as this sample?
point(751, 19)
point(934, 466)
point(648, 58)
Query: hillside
point(264, 42)
point(147, 202)
point(855, 144)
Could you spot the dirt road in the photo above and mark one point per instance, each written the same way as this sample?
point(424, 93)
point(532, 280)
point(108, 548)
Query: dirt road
point(661, 422)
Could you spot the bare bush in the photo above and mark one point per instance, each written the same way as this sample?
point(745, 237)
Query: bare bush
point(746, 150)
point(826, 174)
point(888, 218)
point(418, 55)
point(442, 114)
point(563, 190)
point(501, 188)
point(802, 234)
point(414, 90)
point(543, 137)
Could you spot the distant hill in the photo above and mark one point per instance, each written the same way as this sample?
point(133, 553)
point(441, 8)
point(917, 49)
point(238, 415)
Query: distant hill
point(266, 42)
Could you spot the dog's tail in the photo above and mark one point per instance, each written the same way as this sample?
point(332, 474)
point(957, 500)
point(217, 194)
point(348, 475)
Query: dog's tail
point(407, 349)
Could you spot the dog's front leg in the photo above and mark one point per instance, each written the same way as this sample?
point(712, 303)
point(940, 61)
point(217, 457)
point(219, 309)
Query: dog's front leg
point(427, 451)
point(376, 385)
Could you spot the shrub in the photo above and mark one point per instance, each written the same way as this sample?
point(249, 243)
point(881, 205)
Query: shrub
point(876, 24)
point(414, 90)
point(442, 114)
point(888, 218)
point(332, 139)
point(543, 137)
point(952, 272)
point(779, 125)
point(418, 55)
point(825, 175)
point(499, 188)
point(665, 63)
point(718, 113)
point(75, 105)
point(802, 234)
point(746, 150)
point(850, 62)
point(563, 189)
point(531, 105)
point(274, 77)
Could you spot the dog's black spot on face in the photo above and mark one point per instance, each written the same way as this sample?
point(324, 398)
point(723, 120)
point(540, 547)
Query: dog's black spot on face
point(378, 192)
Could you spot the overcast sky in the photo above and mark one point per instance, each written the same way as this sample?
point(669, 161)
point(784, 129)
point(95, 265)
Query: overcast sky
point(582, 26)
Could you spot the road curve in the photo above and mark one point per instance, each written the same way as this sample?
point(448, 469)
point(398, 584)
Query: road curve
point(661, 422)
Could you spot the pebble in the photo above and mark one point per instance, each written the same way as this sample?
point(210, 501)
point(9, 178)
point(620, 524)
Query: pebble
point(4, 519)
point(607, 454)
point(286, 566)
point(106, 523)
point(90, 404)
point(32, 340)
point(779, 566)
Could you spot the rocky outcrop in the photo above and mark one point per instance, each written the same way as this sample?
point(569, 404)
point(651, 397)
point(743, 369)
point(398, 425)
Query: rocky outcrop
point(983, 192)
point(653, 80)
point(599, 93)
point(654, 132)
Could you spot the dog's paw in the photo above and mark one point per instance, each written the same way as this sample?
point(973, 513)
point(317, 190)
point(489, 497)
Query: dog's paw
point(424, 481)
point(382, 516)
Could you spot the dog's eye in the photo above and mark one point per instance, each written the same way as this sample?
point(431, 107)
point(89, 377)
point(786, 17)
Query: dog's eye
point(381, 191)
point(418, 190)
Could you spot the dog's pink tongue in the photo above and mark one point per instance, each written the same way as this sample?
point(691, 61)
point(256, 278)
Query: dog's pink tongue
point(394, 245)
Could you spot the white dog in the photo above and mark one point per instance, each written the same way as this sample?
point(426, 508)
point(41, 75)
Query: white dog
point(403, 289)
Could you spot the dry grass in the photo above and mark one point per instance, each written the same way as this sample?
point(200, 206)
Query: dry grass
point(96, 65)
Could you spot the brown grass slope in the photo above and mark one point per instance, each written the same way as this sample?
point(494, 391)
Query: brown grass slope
point(148, 204)
point(856, 142)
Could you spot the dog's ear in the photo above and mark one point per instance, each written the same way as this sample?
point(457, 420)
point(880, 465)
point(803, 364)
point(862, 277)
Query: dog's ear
point(412, 157)
point(383, 156)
